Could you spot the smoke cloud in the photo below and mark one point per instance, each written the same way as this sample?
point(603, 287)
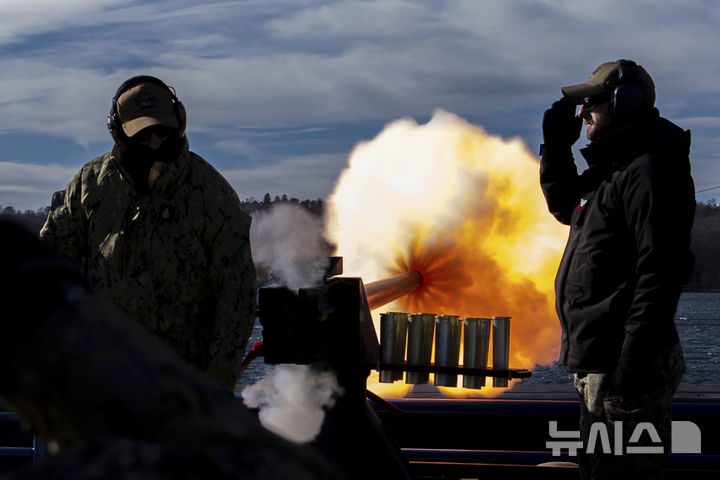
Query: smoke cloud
point(288, 240)
point(292, 400)
point(465, 209)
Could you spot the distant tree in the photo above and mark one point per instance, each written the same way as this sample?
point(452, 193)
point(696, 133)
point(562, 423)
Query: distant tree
point(251, 205)
point(32, 219)
point(705, 234)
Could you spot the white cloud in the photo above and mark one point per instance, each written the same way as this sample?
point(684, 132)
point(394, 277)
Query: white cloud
point(240, 147)
point(314, 62)
point(286, 64)
point(22, 18)
point(51, 173)
point(704, 122)
point(61, 101)
point(349, 19)
point(303, 177)
point(30, 186)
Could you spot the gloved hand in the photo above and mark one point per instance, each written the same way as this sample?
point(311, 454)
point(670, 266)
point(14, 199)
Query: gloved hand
point(561, 128)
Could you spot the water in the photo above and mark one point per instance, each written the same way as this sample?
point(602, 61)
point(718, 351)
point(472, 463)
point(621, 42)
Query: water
point(257, 368)
point(698, 323)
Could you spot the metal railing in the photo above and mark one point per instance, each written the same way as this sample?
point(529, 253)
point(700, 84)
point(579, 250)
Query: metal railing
point(36, 450)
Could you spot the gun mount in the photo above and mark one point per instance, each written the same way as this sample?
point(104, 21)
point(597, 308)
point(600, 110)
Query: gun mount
point(331, 325)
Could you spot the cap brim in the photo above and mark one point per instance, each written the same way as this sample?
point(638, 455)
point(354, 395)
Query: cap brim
point(133, 126)
point(581, 90)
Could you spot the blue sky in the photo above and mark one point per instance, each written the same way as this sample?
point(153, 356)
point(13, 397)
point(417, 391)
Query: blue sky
point(279, 91)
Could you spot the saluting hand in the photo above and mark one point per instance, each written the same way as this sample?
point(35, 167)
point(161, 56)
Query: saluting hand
point(561, 127)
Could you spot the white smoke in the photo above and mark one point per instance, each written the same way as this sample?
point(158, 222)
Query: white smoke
point(292, 399)
point(288, 240)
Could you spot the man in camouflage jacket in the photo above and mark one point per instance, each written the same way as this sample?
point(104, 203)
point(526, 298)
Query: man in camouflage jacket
point(161, 234)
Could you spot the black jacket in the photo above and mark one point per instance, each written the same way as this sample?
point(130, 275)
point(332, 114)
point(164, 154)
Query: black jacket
point(628, 253)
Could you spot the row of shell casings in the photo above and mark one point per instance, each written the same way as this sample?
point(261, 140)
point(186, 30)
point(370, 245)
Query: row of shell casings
point(416, 332)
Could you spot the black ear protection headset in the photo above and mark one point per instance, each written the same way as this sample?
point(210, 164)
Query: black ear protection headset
point(114, 124)
point(630, 96)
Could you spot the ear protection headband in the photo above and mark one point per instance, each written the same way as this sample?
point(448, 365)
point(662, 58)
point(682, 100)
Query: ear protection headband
point(630, 97)
point(114, 124)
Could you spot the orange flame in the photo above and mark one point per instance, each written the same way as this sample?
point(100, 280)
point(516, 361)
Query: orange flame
point(464, 209)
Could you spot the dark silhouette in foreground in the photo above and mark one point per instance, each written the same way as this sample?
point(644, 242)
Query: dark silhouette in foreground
point(110, 400)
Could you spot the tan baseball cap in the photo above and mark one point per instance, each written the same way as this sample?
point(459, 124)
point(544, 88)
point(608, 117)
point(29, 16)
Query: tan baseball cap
point(144, 105)
point(605, 78)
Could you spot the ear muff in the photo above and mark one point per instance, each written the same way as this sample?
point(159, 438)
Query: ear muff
point(114, 124)
point(631, 97)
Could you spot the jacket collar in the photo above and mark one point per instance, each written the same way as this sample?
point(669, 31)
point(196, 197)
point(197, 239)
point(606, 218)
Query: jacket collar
point(617, 149)
point(169, 176)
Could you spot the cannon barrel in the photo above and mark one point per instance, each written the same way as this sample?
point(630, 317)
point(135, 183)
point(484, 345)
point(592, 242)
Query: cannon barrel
point(384, 291)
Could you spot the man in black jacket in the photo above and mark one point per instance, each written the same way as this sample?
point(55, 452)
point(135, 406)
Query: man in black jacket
point(630, 215)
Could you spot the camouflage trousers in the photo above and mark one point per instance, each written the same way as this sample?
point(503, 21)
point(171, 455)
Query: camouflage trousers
point(621, 415)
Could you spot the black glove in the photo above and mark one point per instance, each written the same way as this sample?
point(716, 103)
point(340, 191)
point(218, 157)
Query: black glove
point(561, 128)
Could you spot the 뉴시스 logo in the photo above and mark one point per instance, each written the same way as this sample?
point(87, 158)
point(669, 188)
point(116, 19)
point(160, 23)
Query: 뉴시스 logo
point(685, 438)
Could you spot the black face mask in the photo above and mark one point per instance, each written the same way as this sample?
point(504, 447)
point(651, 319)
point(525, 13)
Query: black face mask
point(136, 158)
point(168, 151)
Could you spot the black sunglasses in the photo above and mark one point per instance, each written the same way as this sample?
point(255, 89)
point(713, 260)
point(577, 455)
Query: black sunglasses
point(589, 103)
point(160, 131)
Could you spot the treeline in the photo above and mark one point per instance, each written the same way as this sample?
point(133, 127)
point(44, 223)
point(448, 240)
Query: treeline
point(32, 219)
point(705, 234)
point(250, 205)
point(705, 238)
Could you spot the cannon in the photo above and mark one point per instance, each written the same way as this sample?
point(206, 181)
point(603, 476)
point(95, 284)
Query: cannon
point(384, 291)
point(331, 325)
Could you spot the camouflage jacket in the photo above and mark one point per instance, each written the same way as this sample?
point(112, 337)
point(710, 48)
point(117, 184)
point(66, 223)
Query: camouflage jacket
point(177, 259)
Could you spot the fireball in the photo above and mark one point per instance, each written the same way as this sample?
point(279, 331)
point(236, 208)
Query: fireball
point(465, 209)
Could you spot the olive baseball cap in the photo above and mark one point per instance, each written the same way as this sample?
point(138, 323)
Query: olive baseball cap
point(145, 105)
point(605, 78)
